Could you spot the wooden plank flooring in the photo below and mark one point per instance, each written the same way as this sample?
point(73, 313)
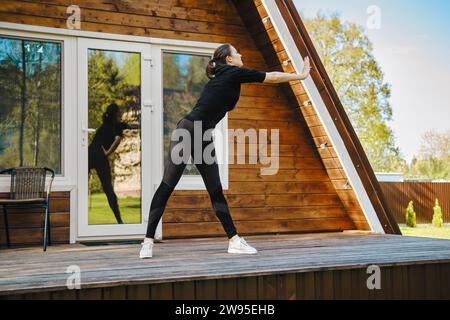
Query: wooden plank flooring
point(30, 269)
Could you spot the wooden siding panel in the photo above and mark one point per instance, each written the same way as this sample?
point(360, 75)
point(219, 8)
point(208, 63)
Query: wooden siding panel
point(398, 283)
point(26, 225)
point(265, 42)
point(196, 11)
point(211, 229)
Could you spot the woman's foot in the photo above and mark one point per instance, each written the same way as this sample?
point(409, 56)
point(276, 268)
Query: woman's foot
point(239, 245)
point(119, 220)
point(146, 249)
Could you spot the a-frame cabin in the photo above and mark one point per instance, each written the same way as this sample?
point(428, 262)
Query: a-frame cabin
point(324, 185)
point(324, 182)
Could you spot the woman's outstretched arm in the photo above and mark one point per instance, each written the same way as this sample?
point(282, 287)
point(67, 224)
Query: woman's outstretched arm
point(113, 147)
point(280, 77)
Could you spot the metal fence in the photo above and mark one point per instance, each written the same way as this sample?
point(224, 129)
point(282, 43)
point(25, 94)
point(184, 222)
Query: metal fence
point(423, 194)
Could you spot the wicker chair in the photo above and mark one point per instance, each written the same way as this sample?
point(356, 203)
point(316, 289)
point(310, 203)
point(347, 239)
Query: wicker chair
point(28, 191)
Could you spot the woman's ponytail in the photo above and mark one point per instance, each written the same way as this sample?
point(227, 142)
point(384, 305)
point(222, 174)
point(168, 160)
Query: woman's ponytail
point(211, 68)
point(219, 57)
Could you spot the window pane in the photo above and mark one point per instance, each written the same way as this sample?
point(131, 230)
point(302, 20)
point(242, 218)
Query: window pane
point(114, 93)
point(183, 80)
point(30, 103)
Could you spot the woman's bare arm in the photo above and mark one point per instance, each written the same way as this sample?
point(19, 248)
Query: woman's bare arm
point(280, 77)
point(113, 147)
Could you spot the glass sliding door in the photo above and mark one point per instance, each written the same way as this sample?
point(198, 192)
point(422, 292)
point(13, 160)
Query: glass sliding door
point(114, 151)
point(114, 81)
point(183, 79)
point(30, 103)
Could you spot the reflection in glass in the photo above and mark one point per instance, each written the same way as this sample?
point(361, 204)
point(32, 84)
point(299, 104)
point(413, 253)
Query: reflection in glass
point(114, 93)
point(30, 103)
point(183, 81)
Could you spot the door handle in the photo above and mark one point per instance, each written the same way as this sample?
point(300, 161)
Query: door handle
point(149, 104)
point(84, 136)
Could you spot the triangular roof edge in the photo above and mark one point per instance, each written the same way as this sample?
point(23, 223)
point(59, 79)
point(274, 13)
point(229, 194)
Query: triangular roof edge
point(292, 32)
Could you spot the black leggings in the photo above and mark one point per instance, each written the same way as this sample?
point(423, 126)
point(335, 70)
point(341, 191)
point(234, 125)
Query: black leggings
point(99, 162)
point(172, 174)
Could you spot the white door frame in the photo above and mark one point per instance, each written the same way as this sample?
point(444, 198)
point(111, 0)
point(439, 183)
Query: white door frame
point(147, 92)
point(70, 180)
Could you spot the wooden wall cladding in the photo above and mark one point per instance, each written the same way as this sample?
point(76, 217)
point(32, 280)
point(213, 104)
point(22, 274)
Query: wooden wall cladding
point(410, 282)
point(270, 45)
point(26, 226)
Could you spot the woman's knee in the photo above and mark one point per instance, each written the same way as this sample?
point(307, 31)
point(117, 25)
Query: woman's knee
point(167, 186)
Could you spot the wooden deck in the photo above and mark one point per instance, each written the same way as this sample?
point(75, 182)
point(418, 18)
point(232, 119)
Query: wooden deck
point(309, 266)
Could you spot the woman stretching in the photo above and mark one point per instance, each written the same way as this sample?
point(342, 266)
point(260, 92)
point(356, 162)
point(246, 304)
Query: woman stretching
point(106, 140)
point(220, 95)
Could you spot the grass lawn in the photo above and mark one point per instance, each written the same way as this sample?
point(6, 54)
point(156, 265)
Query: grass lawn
point(101, 213)
point(427, 231)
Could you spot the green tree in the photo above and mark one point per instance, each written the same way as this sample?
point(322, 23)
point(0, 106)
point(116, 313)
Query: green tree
point(10, 75)
point(347, 54)
point(438, 222)
point(131, 65)
point(113, 77)
point(410, 215)
point(105, 84)
point(433, 158)
point(30, 103)
point(184, 78)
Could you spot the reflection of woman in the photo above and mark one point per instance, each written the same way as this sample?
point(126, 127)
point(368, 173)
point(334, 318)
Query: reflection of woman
point(106, 140)
point(219, 96)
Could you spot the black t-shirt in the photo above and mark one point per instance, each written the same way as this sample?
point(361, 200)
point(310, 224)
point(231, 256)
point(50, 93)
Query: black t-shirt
point(106, 134)
point(221, 93)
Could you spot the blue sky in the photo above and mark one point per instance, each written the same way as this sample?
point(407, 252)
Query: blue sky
point(412, 47)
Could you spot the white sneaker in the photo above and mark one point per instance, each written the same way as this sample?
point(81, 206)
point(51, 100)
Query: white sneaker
point(239, 245)
point(146, 250)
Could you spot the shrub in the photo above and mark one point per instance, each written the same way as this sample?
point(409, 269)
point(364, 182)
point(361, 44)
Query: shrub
point(438, 222)
point(410, 215)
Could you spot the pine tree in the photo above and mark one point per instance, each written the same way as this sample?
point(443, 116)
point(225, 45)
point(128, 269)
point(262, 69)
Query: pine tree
point(438, 222)
point(410, 215)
